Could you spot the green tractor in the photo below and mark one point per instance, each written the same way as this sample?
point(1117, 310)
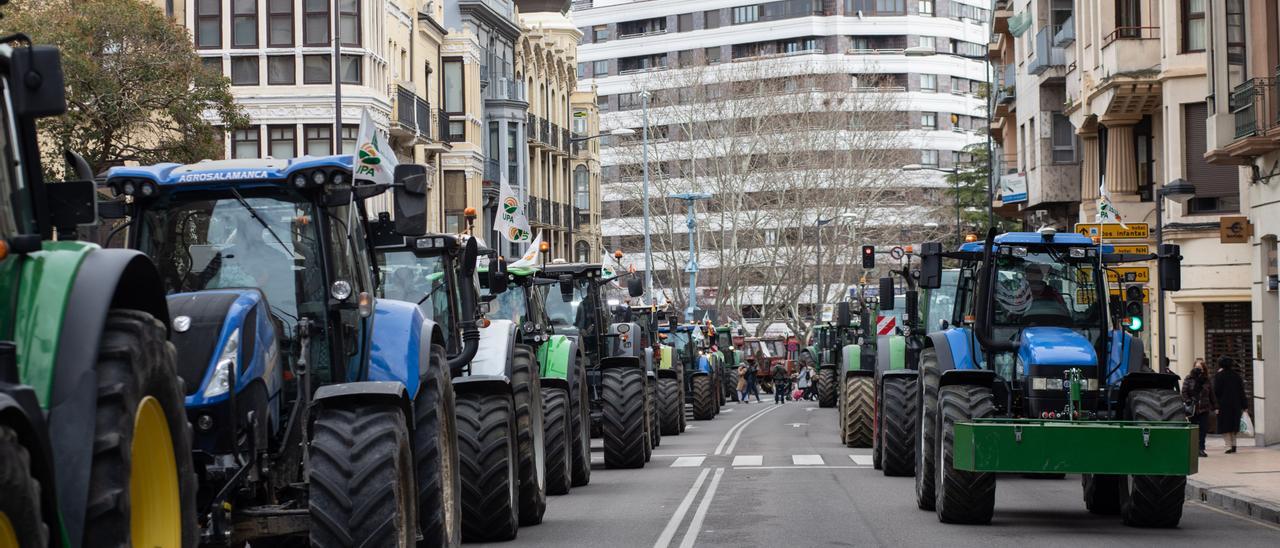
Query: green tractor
point(698, 370)
point(666, 389)
point(826, 342)
point(95, 447)
point(730, 357)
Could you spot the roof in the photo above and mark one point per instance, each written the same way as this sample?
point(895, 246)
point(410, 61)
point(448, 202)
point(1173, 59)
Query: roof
point(228, 171)
point(571, 268)
point(1033, 238)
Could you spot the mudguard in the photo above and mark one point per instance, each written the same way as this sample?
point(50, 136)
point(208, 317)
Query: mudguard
point(1139, 380)
point(1123, 354)
point(556, 357)
point(20, 411)
point(979, 377)
point(891, 352)
point(497, 345)
point(219, 313)
point(482, 384)
point(955, 349)
point(704, 364)
point(621, 361)
point(666, 363)
point(851, 357)
point(399, 345)
point(352, 394)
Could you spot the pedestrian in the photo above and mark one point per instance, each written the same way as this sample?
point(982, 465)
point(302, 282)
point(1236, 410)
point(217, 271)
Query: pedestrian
point(806, 383)
point(742, 384)
point(1197, 395)
point(780, 384)
point(752, 382)
point(1228, 389)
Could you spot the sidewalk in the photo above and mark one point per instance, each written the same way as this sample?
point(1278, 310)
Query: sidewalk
point(1246, 483)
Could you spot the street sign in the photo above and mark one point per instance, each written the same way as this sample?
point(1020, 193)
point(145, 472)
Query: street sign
point(1234, 230)
point(1108, 231)
point(1084, 297)
point(1129, 274)
point(1132, 249)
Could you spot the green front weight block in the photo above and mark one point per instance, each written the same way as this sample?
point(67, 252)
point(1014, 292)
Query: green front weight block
point(852, 357)
point(897, 352)
point(1077, 447)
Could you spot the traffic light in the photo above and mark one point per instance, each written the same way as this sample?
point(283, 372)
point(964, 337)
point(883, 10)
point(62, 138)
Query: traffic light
point(868, 256)
point(1133, 308)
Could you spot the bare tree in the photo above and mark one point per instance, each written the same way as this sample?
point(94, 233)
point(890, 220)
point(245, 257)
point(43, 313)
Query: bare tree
point(779, 144)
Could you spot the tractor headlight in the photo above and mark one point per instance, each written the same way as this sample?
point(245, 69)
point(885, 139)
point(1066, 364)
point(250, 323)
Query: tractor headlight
point(300, 181)
point(224, 371)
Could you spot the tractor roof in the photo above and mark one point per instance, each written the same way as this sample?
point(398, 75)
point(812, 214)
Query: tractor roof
point(208, 172)
point(573, 268)
point(1033, 238)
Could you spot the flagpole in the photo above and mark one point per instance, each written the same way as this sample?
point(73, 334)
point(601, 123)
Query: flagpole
point(337, 79)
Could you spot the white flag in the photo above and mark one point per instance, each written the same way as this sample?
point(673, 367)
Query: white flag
point(374, 161)
point(1106, 212)
point(530, 257)
point(513, 218)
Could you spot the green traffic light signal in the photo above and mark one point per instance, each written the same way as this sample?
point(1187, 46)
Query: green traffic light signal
point(1133, 323)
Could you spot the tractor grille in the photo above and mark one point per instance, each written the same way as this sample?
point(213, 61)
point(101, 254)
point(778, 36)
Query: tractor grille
point(196, 345)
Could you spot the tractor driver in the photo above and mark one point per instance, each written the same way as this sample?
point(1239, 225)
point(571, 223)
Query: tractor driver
point(253, 259)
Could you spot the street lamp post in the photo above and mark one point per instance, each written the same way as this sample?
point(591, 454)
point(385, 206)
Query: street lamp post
point(1179, 190)
point(692, 267)
point(648, 243)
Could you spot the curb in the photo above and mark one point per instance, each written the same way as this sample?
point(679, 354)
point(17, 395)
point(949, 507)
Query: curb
point(1226, 499)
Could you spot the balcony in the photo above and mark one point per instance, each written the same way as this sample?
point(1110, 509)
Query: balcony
point(412, 116)
point(566, 139)
point(1047, 56)
point(544, 131)
point(505, 88)
point(1129, 49)
point(492, 171)
point(1256, 114)
point(1066, 33)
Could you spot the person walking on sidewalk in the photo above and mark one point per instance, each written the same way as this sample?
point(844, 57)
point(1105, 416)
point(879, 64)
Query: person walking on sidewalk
point(742, 384)
point(1197, 394)
point(803, 382)
point(753, 384)
point(1228, 388)
point(780, 384)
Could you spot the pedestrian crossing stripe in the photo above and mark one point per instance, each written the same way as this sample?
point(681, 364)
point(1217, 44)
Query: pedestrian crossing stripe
point(807, 460)
point(862, 460)
point(748, 460)
point(688, 462)
point(758, 461)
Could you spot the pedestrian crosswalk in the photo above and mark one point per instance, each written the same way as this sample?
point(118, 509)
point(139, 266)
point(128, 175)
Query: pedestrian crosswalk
point(797, 461)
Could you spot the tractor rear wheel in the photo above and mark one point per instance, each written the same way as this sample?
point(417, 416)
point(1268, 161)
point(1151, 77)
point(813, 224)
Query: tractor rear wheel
point(580, 421)
point(1101, 493)
point(859, 393)
point(1153, 501)
point(555, 406)
point(21, 519)
point(963, 497)
point(670, 406)
point(623, 418)
point(729, 385)
point(680, 403)
point(360, 478)
point(655, 413)
point(926, 430)
point(435, 452)
point(142, 483)
point(827, 387)
point(526, 389)
point(488, 463)
point(897, 425)
point(703, 406)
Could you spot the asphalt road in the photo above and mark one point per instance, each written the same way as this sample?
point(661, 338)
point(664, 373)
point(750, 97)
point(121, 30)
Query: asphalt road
point(776, 475)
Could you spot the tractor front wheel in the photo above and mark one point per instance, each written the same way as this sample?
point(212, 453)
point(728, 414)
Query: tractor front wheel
point(435, 453)
point(655, 414)
point(926, 447)
point(670, 406)
point(962, 496)
point(580, 421)
point(897, 426)
point(827, 387)
point(703, 406)
point(488, 462)
point(21, 522)
point(555, 406)
point(1153, 501)
point(859, 393)
point(526, 388)
point(623, 418)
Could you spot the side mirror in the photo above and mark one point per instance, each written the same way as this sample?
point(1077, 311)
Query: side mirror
point(843, 315)
point(1170, 267)
point(411, 199)
point(635, 287)
point(497, 276)
point(469, 253)
point(37, 88)
point(886, 293)
point(931, 265)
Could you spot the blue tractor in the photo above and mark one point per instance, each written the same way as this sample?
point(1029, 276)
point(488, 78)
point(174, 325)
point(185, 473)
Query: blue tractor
point(1036, 374)
point(319, 410)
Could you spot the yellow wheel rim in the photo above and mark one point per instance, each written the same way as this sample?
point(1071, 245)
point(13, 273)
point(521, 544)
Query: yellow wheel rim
point(156, 507)
point(8, 537)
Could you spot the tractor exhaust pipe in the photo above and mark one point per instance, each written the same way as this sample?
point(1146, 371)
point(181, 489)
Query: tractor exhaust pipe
point(470, 326)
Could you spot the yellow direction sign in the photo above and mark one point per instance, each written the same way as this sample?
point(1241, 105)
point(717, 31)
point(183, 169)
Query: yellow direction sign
point(1129, 274)
point(1085, 297)
point(1133, 249)
point(1110, 231)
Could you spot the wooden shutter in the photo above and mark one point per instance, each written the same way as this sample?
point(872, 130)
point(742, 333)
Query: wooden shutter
point(1211, 181)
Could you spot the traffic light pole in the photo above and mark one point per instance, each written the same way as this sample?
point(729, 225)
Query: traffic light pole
point(1159, 342)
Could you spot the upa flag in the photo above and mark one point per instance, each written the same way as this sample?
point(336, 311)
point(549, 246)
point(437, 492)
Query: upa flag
point(530, 257)
point(513, 218)
point(1106, 212)
point(374, 161)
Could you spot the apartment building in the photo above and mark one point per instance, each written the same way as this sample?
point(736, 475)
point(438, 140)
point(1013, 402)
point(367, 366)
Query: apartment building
point(588, 245)
point(1242, 41)
point(801, 51)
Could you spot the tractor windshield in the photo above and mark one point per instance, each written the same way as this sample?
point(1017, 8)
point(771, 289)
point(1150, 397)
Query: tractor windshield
point(420, 280)
point(942, 302)
point(511, 304)
point(573, 315)
point(1045, 287)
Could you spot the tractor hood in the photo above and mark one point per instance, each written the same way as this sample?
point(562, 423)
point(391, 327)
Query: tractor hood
point(1056, 346)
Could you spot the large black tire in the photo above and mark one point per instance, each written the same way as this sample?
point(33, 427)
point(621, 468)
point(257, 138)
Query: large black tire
point(488, 464)
point(1102, 493)
point(623, 418)
point(435, 453)
point(526, 389)
point(704, 406)
point(360, 478)
point(20, 505)
point(655, 413)
point(729, 382)
point(680, 403)
point(580, 421)
point(670, 407)
point(926, 430)
point(898, 414)
point(555, 408)
point(858, 410)
point(1153, 501)
point(135, 362)
point(963, 497)
point(827, 387)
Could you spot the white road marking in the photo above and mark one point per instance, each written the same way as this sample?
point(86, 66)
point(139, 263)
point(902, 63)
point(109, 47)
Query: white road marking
point(862, 460)
point(727, 410)
point(743, 427)
point(669, 531)
point(748, 460)
point(807, 460)
point(807, 467)
point(735, 427)
point(695, 526)
point(688, 462)
point(797, 424)
point(676, 455)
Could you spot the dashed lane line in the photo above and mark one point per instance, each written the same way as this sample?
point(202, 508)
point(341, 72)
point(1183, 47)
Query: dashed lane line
point(695, 526)
point(743, 426)
point(729, 435)
point(669, 532)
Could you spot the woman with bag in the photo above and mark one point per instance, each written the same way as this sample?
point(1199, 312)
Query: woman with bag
point(742, 384)
point(1228, 388)
point(1197, 396)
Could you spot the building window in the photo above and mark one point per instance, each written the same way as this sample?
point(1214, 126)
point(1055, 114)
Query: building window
point(316, 69)
point(319, 139)
point(929, 42)
point(244, 23)
point(582, 71)
point(928, 82)
point(280, 23)
point(209, 24)
point(600, 33)
point(351, 73)
point(875, 7)
point(713, 55)
point(349, 22)
point(582, 252)
point(245, 142)
point(600, 68)
point(929, 120)
point(1237, 38)
point(684, 22)
point(686, 58)
point(280, 70)
point(212, 64)
point(349, 135)
point(929, 158)
point(582, 188)
point(282, 141)
point(642, 63)
point(513, 153)
point(315, 22)
point(244, 71)
point(455, 201)
point(711, 19)
point(925, 7)
point(1217, 186)
point(746, 14)
point(1064, 140)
